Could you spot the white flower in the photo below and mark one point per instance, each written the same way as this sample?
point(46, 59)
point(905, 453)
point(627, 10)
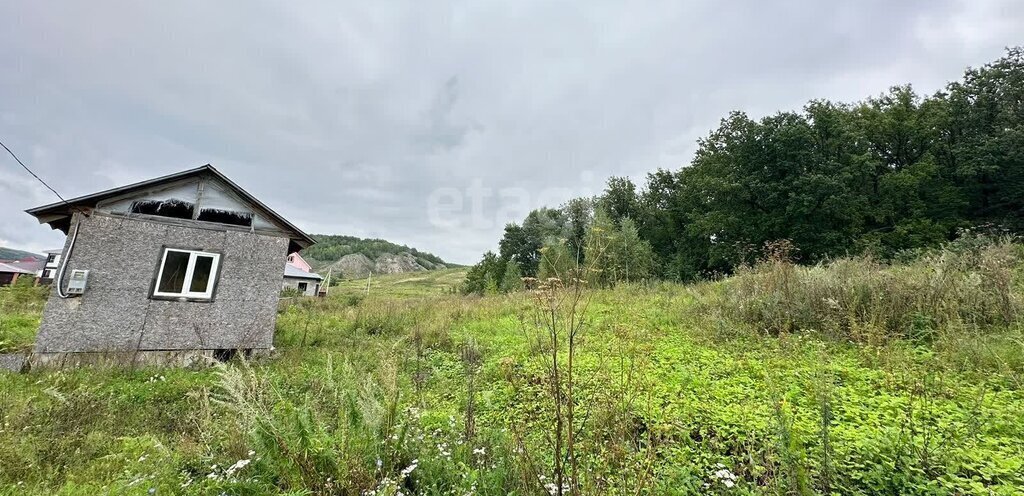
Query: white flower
point(724, 475)
point(239, 465)
point(479, 451)
point(408, 470)
point(553, 488)
point(379, 463)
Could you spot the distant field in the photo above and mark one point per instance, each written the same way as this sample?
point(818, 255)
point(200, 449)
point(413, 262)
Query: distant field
point(427, 283)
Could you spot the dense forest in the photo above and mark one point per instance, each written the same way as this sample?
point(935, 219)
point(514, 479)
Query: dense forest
point(330, 248)
point(893, 174)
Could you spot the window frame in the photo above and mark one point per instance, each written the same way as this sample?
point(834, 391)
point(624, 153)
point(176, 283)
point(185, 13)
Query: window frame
point(302, 286)
point(194, 254)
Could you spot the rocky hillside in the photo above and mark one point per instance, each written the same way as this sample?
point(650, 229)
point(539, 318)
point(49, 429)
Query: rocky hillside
point(351, 257)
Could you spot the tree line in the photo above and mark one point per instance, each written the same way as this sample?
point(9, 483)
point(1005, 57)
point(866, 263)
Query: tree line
point(886, 176)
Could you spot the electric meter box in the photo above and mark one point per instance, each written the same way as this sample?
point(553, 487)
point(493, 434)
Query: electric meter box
point(77, 283)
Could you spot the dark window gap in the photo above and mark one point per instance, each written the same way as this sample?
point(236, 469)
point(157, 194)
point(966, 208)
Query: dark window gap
point(174, 208)
point(225, 217)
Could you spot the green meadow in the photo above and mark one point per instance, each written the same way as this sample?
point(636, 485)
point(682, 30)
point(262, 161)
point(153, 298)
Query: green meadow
point(850, 377)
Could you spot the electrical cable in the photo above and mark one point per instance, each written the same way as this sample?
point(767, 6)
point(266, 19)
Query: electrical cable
point(23, 166)
point(74, 237)
point(64, 262)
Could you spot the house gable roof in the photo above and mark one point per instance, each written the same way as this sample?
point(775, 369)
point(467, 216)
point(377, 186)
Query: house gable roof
point(21, 267)
point(58, 215)
point(297, 273)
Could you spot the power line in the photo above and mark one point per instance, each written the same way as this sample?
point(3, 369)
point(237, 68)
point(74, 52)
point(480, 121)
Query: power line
point(23, 166)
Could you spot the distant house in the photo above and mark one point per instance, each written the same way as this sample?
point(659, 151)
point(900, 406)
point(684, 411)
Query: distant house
point(299, 262)
point(308, 283)
point(167, 269)
point(11, 271)
point(49, 270)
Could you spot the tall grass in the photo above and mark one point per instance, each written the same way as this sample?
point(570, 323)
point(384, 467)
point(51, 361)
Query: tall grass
point(20, 307)
point(966, 287)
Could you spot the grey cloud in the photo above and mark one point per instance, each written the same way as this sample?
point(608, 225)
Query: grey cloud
point(345, 117)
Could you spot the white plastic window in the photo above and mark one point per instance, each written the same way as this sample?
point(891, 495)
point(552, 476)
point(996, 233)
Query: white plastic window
point(186, 274)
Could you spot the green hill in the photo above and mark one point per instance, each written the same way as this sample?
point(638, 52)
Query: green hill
point(352, 257)
point(12, 254)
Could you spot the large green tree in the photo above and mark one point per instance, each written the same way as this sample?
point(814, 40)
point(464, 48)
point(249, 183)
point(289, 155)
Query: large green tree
point(897, 171)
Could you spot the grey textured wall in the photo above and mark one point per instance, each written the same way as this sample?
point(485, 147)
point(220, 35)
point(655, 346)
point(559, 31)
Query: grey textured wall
point(116, 313)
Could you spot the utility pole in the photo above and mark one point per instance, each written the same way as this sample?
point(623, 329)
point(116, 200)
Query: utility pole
point(327, 285)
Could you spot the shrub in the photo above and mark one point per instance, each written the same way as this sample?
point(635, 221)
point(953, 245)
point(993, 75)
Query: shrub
point(954, 289)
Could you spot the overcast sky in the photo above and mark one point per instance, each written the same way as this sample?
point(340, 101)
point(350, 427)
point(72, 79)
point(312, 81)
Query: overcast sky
point(354, 119)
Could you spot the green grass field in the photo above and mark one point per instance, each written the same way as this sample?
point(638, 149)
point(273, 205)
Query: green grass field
point(429, 283)
point(781, 380)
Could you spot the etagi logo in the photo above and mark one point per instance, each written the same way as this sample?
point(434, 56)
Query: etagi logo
point(483, 207)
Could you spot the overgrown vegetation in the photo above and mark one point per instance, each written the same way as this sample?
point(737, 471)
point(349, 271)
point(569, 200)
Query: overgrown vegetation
point(853, 376)
point(20, 307)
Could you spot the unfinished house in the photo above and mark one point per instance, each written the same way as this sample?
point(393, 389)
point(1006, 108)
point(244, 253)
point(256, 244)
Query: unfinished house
point(301, 282)
point(166, 270)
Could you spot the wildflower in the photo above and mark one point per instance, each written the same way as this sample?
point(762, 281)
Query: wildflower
point(553, 488)
point(479, 451)
point(408, 470)
point(724, 476)
point(380, 463)
point(239, 465)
